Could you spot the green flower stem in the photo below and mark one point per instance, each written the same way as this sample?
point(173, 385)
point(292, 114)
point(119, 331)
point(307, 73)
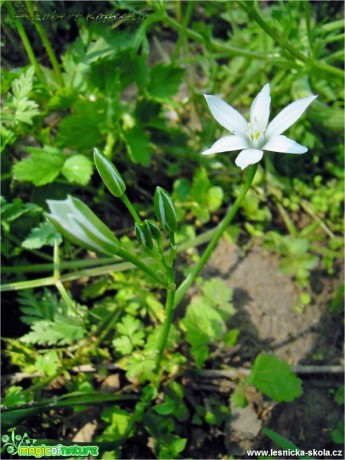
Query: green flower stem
point(47, 45)
point(182, 39)
point(26, 43)
point(92, 272)
point(59, 286)
point(169, 311)
point(140, 264)
point(131, 209)
point(185, 285)
point(37, 268)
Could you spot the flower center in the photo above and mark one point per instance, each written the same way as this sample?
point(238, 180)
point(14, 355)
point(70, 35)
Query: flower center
point(256, 135)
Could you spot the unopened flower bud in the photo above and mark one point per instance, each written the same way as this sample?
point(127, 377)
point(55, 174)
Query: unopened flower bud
point(164, 210)
point(109, 174)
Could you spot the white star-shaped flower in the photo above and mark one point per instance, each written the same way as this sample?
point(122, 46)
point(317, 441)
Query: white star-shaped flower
point(256, 136)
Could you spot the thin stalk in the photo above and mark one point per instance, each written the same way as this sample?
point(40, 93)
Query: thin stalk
point(92, 272)
point(250, 10)
point(64, 294)
point(185, 285)
point(309, 29)
point(169, 309)
point(49, 281)
point(182, 36)
point(18, 242)
point(231, 50)
point(26, 43)
point(106, 326)
point(47, 45)
point(63, 265)
point(140, 264)
point(131, 209)
point(59, 286)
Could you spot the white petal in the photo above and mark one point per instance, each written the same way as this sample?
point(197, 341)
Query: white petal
point(227, 144)
point(260, 109)
point(226, 115)
point(248, 157)
point(288, 116)
point(284, 145)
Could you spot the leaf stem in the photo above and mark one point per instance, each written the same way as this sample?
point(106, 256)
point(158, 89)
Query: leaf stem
point(185, 285)
point(47, 45)
point(26, 43)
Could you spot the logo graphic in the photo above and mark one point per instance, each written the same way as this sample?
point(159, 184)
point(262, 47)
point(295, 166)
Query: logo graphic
point(14, 442)
point(24, 446)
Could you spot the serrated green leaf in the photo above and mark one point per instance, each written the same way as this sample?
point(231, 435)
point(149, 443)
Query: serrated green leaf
point(165, 80)
point(22, 86)
point(274, 378)
point(60, 332)
point(25, 110)
point(77, 169)
point(81, 129)
point(138, 145)
point(47, 363)
point(128, 326)
point(40, 168)
point(13, 396)
point(123, 345)
point(44, 234)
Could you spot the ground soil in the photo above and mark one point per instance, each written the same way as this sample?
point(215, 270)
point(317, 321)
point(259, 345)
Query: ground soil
point(265, 302)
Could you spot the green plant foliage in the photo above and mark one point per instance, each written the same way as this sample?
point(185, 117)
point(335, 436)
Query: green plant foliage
point(199, 198)
point(10, 212)
point(61, 331)
point(274, 378)
point(35, 309)
point(284, 443)
point(164, 81)
point(131, 335)
point(47, 363)
point(77, 169)
point(117, 421)
point(14, 396)
point(131, 86)
point(44, 234)
point(205, 320)
point(19, 108)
